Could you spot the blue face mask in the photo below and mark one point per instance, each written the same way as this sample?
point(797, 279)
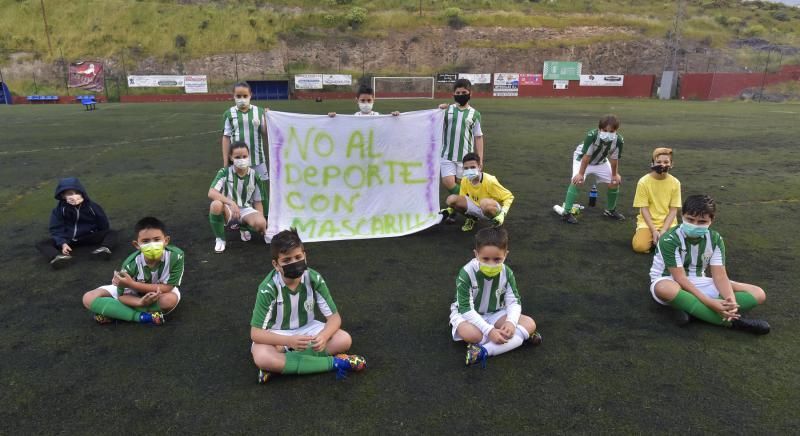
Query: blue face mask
point(472, 173)
point(693, 231)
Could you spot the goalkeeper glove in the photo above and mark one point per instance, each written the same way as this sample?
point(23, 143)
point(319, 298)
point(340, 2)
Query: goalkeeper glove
point(499, 219)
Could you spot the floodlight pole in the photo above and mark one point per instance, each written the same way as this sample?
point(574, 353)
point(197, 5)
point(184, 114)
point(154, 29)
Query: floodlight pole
point(64, 66)
point(46, 28)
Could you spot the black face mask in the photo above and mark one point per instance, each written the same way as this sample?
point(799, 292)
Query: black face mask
point(660, 169)
point(461, 99)
point(294, 270)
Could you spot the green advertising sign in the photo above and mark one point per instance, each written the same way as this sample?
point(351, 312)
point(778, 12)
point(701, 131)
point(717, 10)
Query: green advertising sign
point(558, 70)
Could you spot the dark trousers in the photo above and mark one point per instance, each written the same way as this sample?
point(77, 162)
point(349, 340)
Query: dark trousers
point(105, 238)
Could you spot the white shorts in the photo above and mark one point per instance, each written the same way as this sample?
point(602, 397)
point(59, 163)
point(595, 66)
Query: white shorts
point(261, 170)
point(243, 212)
point(451, 168)
point(311, 329)
point(111, 289)
point(456, 319)
point(704, 284)
point(475, 211)
point(601, 171)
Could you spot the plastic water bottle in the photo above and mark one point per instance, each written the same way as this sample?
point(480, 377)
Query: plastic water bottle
point(593, 196)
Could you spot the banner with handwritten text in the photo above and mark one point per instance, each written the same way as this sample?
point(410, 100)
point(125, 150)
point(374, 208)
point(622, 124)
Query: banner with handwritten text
point(354, 177)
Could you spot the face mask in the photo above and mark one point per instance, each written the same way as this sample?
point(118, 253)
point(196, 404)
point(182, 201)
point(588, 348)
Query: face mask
point(660, 169)
point(74, 200)
point(152, 250)
point(607, 136)
point(294, 270)
point(692, 230)
point(241, 163)
point(365, 107)
point(490, 270)
point(461, 99)
point(242, 103)
point(472, 173)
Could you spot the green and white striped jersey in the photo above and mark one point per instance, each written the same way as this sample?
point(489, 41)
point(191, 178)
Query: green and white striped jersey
point(246, 127)
point(461, 127)
point(169, 271)
point(244, 191)
point(475, 291)
point(600, 150)
point(279, 308)
point(693, 254)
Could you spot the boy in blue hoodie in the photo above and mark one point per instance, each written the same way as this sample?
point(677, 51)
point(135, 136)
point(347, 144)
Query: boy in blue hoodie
point(76, 220)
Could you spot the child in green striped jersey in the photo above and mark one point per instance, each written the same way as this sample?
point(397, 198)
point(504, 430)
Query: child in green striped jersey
point(246, 123)
point(287, 339)
point(146, 288)
point(487, 311)
point(236, 197)
point(678, 275)
point(599, 155)
point(365, 99)
point(462, 134)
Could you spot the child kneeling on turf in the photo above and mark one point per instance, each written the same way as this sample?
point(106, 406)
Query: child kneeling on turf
point(678, 275)
point(147, 286)
point(487, 313)
point(76, 220)
point(236, 197)
point(658, 197)
point(286, 337)
point(481, 197)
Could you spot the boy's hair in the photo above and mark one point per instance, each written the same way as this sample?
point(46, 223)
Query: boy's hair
point(492, 236)
point(242, 85)
point(149, 222)
point(284, 241)
point(662, 150)
point(608, 121)
point(699, 205)
point(471, 156)
point(462, 83)
point(238, 144)
point(365, 89)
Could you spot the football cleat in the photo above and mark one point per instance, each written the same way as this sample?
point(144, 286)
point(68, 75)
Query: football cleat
point(535, 339)
point(102, 253)
point(102, 319)
point(469, 224)
point(344, 363)
point(263, 376)
point(245, 235)
point(219, 245)
point(755, 326)
point(613, 214)
point(476, 353)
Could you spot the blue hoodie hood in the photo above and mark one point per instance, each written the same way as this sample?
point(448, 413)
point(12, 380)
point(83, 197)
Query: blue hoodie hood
point(70, 183)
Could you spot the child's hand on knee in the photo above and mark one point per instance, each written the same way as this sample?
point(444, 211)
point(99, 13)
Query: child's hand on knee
point(299, 342)
point(508, 329)
point(319, 343)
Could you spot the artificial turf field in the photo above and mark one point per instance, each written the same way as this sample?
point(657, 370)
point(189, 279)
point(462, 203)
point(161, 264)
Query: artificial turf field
point(611, 362)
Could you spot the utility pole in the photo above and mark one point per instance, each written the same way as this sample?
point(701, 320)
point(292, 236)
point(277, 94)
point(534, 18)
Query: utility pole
point(420, 8)
point(46, 28)
point(764, 77)
point(676, 35)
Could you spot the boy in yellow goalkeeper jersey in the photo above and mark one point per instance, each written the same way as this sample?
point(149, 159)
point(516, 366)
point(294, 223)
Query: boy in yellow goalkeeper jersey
point(481, 197)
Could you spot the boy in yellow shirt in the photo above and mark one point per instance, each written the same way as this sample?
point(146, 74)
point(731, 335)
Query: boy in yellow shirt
point(480, 197)
point(658, 197)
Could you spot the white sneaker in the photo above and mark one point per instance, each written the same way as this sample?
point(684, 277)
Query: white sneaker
point(267, 238)
point(219, 246)
point(245, 235)
point(558, 209)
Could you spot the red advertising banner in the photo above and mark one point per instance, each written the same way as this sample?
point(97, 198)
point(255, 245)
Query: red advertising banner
point(530, 80)
point(87, 75)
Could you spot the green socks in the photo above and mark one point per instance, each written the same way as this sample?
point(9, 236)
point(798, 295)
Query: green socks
point(612, 198)
point(572, 194)
point(112, 308)
point(690, 304)
point(217, 225)
point(454, 190)
point(305, 362)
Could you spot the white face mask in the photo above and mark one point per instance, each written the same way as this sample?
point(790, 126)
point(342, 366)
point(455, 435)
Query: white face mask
point(607, 136)
point(472, 173)
point(74, 200)
point(365, 107)
point(241, 163)
point(242, 103)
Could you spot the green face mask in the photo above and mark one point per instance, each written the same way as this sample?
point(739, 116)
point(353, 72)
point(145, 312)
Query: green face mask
point(490, 270)
point(152, 250)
